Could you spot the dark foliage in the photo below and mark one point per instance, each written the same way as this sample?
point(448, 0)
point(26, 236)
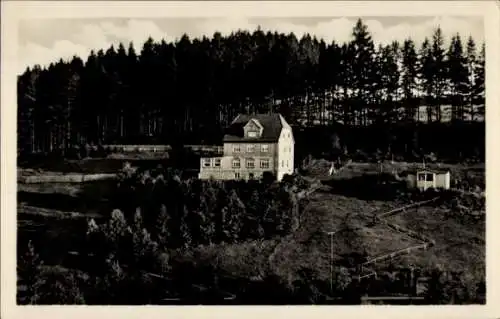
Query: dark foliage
point(183, 213)
point(188, 91)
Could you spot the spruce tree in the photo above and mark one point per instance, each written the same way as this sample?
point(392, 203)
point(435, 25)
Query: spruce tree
point(426, 74)
point(439, 72)
point(409, 80)
point(472, 68)
point(363, 71)
point(479, 88)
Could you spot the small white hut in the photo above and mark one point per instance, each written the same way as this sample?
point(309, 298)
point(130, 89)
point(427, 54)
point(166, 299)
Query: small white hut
point(425, 178)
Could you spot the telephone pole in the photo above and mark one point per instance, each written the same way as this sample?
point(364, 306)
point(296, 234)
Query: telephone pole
point(331, 233)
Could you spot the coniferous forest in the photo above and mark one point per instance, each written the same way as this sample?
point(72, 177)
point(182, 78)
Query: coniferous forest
point(191, 89)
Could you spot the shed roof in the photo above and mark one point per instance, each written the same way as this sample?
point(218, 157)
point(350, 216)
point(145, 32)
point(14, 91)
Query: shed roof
point(414, 171)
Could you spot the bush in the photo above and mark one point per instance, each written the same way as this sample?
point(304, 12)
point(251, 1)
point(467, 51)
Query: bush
point(59, 287)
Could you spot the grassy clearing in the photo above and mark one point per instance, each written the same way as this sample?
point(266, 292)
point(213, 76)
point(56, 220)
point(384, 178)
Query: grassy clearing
point(68, 189)
point(23, 209)
point(51, 177)
point(462, 175)
point(88, 165)
point(459, 245)
point(310, 247)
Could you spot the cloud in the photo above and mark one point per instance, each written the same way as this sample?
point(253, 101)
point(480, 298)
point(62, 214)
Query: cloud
point(46, 41)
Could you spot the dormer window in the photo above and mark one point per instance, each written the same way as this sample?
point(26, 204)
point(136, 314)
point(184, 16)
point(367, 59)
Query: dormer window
point(253, 129)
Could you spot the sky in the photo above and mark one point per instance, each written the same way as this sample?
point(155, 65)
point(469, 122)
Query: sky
point(42, 41)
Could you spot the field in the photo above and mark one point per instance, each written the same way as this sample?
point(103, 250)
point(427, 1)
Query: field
point(53, 215)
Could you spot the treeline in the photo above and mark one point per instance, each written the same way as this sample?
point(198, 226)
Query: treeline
point(189, 90)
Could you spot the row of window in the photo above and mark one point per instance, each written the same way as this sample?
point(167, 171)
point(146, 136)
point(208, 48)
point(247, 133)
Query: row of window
point(264, 148)
point(250, 163)
point(207, 162)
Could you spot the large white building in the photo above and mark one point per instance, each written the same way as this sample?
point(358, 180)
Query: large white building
point(253, 145)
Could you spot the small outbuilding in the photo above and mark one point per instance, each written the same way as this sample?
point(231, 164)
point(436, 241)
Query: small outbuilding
point(425, 178)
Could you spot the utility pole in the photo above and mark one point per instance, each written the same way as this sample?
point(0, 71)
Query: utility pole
point(331, 233)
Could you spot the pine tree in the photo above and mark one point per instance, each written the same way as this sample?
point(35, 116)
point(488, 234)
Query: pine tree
point(458, 77)
point(162, 226)
point(116, 229)
point(185, 230)
point(28, 97)
point(231, 218)
point(389, 82)
point(252, 221)
point(479, 89)
point(426, 74)
point(363, 71)
point(472, 68)
point(409, 80)
point(346, 83)
point(29, 272)
point(439, 71)
point(72, 91)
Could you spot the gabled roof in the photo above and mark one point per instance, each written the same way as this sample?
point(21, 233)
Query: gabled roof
point(271, 123)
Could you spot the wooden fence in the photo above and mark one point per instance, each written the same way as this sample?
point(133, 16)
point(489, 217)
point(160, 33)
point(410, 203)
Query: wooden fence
point(426, 242)
point(162, 148)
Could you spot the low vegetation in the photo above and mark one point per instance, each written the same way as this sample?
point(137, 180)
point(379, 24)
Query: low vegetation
point(157, 242)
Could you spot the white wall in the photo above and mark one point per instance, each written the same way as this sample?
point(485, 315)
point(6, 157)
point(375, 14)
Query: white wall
point(285, 153)
point(443, 180)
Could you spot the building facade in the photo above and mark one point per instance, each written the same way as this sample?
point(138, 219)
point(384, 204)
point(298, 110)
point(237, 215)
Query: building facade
point(253, 145)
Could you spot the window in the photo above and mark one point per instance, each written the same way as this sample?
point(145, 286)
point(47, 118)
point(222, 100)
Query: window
point(250, 148)
point(252, 134)
point(236, 163)
point(250, 163)
point(206, 162)
point(250, 176)
point(282, 163)
point(264, 148)
point(425, 177)
point(237, 175)
point(264, 163)
point(236, 149)
point(217, 162)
